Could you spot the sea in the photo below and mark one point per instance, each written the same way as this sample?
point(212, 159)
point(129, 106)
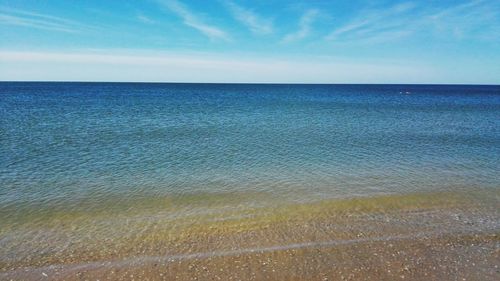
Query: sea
point(77, 154)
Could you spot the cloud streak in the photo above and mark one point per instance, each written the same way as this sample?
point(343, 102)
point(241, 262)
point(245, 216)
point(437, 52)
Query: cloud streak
point(41, 21)
point(368, 22)
point(472, 19)
point(176, 67)
point(144, 19)
point(304, 30)
point(477, 19)
point(250, 19)
point(193, 21)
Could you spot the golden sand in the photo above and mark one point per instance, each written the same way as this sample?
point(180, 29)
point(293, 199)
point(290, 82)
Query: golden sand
point(428, 236)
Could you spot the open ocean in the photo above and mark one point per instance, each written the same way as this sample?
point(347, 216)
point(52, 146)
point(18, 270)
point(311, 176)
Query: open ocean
point(89, 154)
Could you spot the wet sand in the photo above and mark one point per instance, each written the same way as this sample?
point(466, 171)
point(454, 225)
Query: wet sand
point(397, 258)
point(431, 236)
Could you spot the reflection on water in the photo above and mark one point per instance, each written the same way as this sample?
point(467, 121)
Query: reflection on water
point(132, 175)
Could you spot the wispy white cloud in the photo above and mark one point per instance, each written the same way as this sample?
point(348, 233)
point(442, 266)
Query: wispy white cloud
point(9, 16)
point(305, 23)
point(249, 18)
point(179, 67)
point(472, 19)
point(372, 21)
point(192, 20)
point(460, 8)
point(469, 19)
point(144, 19)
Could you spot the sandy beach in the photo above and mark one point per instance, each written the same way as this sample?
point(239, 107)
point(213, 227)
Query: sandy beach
point(429, 236)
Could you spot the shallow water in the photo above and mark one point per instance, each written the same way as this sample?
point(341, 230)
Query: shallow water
point(132, 167)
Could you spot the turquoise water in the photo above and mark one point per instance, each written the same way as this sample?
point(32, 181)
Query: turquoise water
point(68, 143)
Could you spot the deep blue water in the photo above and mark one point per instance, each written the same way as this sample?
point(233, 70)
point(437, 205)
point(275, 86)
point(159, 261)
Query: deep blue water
point(65, 142)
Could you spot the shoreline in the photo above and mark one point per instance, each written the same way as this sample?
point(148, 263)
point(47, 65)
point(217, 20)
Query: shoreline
point(96, 269)
point(438, 218)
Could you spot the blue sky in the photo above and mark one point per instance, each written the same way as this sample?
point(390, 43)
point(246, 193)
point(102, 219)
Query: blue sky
point(356, 41)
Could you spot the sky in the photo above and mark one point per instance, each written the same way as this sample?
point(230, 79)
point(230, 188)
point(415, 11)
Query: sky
point(259, 41)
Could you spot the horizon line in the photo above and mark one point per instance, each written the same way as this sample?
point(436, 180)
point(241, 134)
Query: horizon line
point(242, 83)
